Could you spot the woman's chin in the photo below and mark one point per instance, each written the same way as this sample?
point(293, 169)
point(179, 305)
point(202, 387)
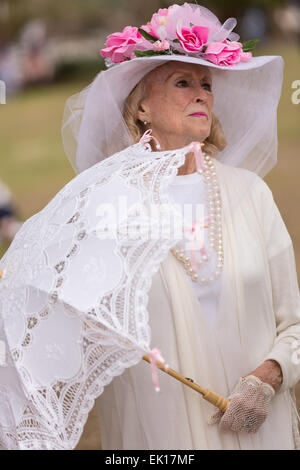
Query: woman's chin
point(196, 134)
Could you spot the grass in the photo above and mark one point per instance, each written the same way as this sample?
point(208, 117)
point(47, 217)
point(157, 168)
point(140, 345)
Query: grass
point(33, 162)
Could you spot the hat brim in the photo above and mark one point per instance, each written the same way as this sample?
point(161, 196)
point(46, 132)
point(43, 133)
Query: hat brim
point(132, 71)
point(253, 63)
point(245, 103)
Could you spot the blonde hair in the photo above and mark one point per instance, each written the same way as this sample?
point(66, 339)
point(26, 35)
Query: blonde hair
point(215, 142)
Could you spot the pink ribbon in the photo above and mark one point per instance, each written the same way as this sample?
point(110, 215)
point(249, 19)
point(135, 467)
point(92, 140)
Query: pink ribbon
point(195, 147)
point(196, 224)
point(199, 157)
point(146, 137)
point(155, 355)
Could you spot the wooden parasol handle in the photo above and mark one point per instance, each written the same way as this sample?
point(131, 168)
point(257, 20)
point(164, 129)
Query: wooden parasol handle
point(213, 397)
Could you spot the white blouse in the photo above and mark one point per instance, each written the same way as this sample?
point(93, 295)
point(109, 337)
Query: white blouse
point(191, 190)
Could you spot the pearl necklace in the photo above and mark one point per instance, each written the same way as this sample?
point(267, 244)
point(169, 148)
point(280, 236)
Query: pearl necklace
point(215, 226)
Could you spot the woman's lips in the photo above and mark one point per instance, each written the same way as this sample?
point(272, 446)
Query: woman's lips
point(198, 114)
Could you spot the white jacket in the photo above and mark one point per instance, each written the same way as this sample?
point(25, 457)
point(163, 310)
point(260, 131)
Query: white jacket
point(258, 319)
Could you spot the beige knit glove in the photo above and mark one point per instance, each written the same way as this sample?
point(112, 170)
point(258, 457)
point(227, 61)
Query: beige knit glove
point(248, 407)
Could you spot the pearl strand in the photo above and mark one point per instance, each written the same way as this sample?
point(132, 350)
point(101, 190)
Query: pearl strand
point(215, 226)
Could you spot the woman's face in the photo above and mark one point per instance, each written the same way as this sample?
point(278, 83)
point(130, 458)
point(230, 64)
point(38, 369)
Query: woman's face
point(175, 92)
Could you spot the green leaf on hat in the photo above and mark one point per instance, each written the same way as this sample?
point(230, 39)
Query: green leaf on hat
point(147, 35)
point(148, 53)
point(248, 46)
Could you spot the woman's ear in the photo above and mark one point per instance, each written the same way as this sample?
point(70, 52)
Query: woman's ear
point(143, 113)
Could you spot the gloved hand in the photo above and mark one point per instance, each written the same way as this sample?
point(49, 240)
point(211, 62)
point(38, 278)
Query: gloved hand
point(248, 407)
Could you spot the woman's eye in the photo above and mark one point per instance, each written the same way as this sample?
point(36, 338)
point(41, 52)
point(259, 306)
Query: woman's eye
point(208, 85)
point(184, 82)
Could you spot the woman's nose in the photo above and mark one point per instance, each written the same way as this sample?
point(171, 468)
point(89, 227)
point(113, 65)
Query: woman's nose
point(200, 96)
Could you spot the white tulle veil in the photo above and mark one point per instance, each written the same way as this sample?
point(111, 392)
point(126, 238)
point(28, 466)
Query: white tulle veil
point(246, 97)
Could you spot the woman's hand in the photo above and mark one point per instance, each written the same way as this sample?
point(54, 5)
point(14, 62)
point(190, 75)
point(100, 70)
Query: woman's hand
point(248, 405)
point(269, 372)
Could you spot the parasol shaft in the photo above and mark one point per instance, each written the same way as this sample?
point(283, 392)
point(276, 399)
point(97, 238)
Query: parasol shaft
point(213, 397)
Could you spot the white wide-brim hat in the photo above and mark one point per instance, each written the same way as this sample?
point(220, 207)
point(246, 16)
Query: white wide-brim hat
point(246, 97)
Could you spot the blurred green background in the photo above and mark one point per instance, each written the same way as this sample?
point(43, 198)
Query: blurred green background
point(32, 159)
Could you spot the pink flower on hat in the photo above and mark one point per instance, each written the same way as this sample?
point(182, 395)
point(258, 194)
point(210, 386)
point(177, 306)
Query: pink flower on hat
point(156, 27)
point(193, 39)
point(187, 29)
point(183, 16)
point(161, 45)
point(120, 46)
point(226, 53)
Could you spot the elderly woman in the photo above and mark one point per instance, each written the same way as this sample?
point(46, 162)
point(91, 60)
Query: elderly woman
point(82, 297)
